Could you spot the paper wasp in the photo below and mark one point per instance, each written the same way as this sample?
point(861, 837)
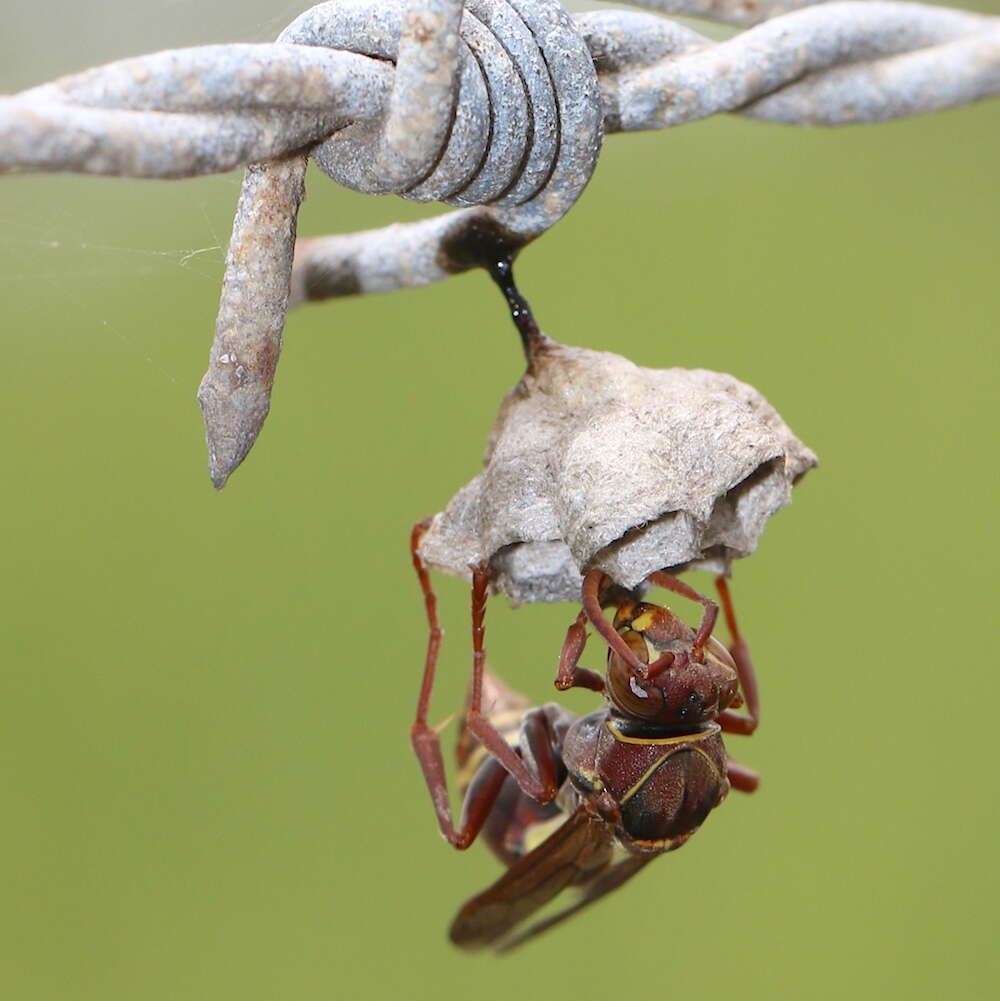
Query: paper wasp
point(639, 775)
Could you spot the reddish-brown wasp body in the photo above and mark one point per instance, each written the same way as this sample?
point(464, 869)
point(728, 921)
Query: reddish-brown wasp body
point(635, 779)
point(629, 792)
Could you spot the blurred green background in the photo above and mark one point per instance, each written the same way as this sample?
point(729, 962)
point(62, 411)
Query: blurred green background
point(207, 786)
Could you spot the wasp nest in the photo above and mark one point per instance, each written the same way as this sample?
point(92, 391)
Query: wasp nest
point(594, 462)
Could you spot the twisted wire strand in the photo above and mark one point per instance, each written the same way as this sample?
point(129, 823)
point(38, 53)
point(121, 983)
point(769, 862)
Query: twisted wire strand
point(842, 63)
point(792, 55)
point(227, 105)
point(497, 106)
point(744, 13)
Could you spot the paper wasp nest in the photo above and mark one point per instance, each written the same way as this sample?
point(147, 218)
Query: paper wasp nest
point(596, 462)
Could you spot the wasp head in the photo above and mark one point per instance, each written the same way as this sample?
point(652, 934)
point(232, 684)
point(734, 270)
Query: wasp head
point(692, 690)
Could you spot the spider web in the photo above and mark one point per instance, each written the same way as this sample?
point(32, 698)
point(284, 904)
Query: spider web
point(87, 250)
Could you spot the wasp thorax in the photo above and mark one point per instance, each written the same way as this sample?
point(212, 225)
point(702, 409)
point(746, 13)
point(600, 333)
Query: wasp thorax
point(692, 691)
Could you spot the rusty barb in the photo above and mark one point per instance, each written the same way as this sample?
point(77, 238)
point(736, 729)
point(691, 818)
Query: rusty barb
point(495, 106)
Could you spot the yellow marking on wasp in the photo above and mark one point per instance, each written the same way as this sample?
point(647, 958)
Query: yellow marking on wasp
point(508, 722)
point(625, 609)
point(681, 738)
point(666, 845)
point(660, 761)
point(643, 622)
point(591, 777)
point(537, 833)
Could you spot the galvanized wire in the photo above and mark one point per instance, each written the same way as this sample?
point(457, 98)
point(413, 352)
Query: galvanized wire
point(495, 105)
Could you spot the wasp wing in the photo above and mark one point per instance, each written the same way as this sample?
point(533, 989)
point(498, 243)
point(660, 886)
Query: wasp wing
point(577, 852)
point(603, 883)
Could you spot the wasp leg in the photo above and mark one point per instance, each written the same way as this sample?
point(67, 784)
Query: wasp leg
point(434, 632)
point(742, 778)
point(670, 583)
point(590, 595)
point(488, 781)
point(423, 737)
point(543, 786)
point(570, 674)
point(480, 798)
point(537, 744)
point(733, 722)
point(486, 785)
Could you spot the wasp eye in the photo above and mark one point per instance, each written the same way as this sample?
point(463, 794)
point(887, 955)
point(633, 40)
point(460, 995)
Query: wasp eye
point(630, 695)
point(730, 695)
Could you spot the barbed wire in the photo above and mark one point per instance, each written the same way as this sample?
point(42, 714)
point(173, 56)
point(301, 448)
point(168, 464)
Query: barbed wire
point(498, 106)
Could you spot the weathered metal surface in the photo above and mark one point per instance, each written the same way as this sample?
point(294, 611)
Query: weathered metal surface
point(498, 106)
point(235, 393)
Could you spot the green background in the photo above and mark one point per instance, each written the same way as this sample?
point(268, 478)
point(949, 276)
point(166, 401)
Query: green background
point(204, 699)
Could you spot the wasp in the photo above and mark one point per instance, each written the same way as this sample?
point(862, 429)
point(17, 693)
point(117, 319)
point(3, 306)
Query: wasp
point(634, 779)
